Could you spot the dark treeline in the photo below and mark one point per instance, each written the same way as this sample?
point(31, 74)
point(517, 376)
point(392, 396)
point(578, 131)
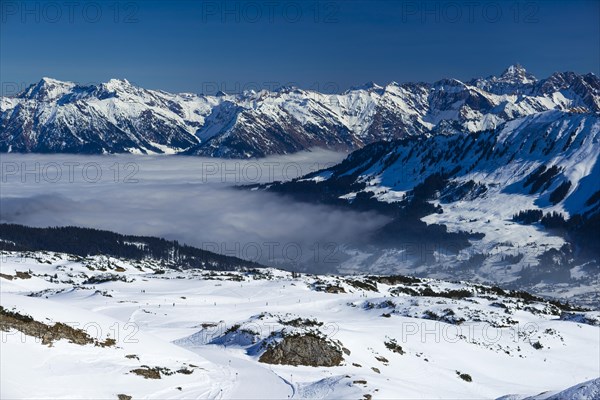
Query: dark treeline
point(580, 229)
point(89, 242)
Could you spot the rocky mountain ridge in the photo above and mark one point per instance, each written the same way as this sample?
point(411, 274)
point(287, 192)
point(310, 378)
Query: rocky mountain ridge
point(117, 117)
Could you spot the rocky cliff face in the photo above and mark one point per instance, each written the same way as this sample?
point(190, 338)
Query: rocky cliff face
point(304, 349)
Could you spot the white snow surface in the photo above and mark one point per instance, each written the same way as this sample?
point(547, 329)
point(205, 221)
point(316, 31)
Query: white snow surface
point(182, 319)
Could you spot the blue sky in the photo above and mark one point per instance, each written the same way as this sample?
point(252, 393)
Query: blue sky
point(201, 46)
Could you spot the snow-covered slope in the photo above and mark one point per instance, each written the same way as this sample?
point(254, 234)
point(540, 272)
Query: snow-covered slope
point(518, 204)
point(582, 391)
point(118, 117)
point(502, 159)
point(208, 334)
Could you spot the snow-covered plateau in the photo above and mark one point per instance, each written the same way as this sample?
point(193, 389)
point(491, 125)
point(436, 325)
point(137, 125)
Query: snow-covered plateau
point(101, 327)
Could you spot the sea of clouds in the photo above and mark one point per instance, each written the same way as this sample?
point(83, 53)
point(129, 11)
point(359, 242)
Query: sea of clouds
point(190, 199)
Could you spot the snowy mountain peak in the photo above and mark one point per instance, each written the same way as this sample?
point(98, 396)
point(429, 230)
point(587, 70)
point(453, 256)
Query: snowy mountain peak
point(117, 85)
point(369, 86)
point(47, 89)
point(284, 90)
point(514, 69)
point(48, 80)
point(516, 73)
point(514, 80)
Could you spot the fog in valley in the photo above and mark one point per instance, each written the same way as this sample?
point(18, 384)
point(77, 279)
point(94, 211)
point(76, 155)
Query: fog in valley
point(189, 199)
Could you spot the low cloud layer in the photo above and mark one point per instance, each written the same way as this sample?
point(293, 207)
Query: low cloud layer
point(185, 198)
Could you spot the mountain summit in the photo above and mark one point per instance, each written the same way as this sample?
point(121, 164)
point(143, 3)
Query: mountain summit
point(46, 90)
point(517, 74)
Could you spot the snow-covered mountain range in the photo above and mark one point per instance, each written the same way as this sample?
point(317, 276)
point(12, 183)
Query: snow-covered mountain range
point(519, 204)
point(118, 117)
point(113, 328)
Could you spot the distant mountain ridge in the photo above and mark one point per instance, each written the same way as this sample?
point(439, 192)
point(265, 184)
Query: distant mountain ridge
point(117, 117)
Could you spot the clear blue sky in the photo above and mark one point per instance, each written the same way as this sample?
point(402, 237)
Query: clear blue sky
point(198, 46)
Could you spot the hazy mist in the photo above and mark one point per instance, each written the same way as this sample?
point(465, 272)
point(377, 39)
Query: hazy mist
point(189, 199)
